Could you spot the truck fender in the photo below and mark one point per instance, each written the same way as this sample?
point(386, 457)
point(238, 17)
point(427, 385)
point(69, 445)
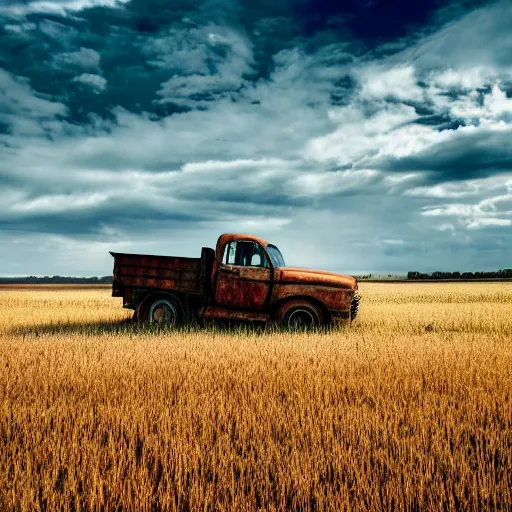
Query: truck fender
point(282, 308)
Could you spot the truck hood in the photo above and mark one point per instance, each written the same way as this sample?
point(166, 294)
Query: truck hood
point(320, 277)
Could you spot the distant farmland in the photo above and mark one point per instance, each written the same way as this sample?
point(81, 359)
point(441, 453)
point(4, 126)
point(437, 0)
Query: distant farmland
point(410, 409)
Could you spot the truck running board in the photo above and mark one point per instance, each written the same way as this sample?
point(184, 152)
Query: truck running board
point(235, 314)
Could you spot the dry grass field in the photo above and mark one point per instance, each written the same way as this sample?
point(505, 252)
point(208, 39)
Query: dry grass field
point(410, 409)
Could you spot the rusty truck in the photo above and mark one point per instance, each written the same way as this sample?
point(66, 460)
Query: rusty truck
point(245, 278)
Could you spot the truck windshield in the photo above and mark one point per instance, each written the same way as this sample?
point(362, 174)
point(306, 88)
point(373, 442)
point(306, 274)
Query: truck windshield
point(275, 256)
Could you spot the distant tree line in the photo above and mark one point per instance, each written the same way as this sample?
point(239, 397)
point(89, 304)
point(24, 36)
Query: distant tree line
point(499, 274)
point(56, 280)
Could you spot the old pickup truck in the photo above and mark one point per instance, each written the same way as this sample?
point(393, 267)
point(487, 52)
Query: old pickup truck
point(244, 278)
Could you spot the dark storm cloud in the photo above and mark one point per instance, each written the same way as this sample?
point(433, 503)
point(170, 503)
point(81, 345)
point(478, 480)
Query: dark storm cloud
point(94, 220)
point(120, 46)
point(367, 19)
point(130, 121)
point(469, 156)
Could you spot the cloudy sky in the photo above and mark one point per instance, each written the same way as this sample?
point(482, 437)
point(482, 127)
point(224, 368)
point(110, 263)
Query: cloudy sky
point(373, 137)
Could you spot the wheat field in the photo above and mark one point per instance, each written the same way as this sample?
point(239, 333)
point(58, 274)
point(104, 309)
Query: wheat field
point(410, 409)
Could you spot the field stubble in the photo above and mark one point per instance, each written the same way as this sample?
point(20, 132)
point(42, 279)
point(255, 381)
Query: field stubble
point(410, 409)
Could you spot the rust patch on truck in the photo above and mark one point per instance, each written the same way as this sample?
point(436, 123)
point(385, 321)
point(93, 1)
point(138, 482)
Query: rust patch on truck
point(304, 276)
point(333, 291)
point(331, 298)
point(155, 272)
point(236, 286)
point(242, 287)
point(229, 314)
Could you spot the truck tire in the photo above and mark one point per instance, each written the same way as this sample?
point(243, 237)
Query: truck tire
point(162, 310)
point(299, 315)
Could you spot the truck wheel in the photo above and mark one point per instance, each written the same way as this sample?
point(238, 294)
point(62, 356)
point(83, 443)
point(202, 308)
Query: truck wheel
point(299, 315)
point(165, 310)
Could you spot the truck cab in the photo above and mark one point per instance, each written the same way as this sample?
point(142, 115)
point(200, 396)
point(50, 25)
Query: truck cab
point(245, 278)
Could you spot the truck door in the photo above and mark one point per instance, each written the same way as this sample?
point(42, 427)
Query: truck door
point(244, 276)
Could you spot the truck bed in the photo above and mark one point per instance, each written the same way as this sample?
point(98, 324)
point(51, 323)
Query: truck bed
point(174, 273)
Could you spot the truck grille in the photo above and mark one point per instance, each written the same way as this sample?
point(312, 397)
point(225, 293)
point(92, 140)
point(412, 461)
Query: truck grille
point(354, 305)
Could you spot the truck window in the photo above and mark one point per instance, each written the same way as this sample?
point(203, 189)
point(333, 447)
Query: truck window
point(245, 254)
point(256, 260)
point(275, 256)
point(229, 254)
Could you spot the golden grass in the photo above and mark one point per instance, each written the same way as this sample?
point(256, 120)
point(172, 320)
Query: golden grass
point(409, 410)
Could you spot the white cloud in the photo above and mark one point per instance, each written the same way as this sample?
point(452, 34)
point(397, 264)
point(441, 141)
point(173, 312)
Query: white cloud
point(480, 40)
point(85, 58)
point(487, 222)
point(497, 104)
point(460, 189)
point(56, 7)
point(455, 210)
point(222, 165)
point(493, 110)
point(501, 203)
point(397, 182)
point(22, 109)
point(59, 203)
point(393, 241)
point(446, 227)
point(321, 184)
point(257, 224)
point(381, 82)
point(96, 82)
point(492, 211)
point(21, 29)
point(469, 78)
point(203, 75)
point(358, 137)
point(19, 98)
